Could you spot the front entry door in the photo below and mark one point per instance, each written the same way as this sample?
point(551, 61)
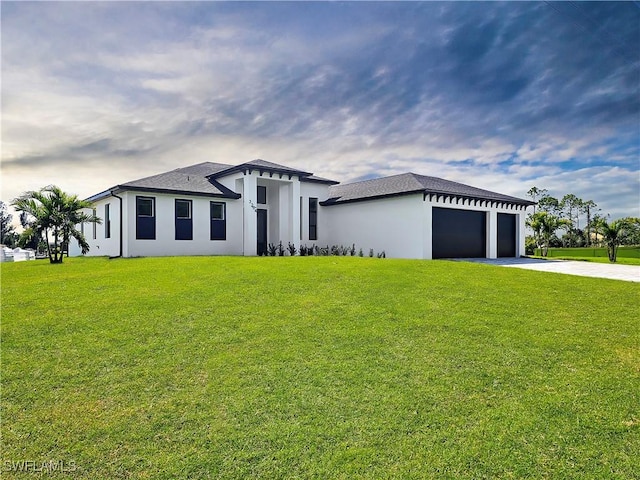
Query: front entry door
point(262, 231)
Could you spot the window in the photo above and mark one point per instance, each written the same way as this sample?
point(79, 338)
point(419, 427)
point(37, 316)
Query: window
point(145, 218)
point(144, 206)
point(183, 209)
point(184, 223)
point(218, 221)
point(262, 195)
point(301, 216)
point(107, 221)
point(95, 226)
point(313, 218)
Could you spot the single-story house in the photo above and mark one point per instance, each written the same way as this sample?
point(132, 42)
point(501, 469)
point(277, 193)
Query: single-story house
point(218, 209)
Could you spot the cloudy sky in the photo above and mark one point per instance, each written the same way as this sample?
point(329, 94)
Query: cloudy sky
point(503, 96)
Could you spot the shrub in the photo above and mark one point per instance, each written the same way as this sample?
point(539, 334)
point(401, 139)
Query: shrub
point(280, 250)
point(360, 253)
point(371, 252)
point(272, 249)
point(291, 248)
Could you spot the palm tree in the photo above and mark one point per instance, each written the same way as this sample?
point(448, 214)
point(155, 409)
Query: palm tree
point(544, 226)
point(55, 213)
point(613, 234)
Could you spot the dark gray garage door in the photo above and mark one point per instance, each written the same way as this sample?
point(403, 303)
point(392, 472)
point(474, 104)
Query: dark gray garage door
point(459, 233)
point(506, 235)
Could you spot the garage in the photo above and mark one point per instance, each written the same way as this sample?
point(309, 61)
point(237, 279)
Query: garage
point(459, 233)
point(506, 235)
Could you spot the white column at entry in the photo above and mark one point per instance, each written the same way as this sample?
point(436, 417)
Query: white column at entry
point(492, 231)
point(249, 205)
point(294, 209)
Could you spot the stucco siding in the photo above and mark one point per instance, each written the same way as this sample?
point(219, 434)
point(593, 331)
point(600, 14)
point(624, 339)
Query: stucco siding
point(320, 191)
point(393, 225)
point(165, 243)
point(99, 245)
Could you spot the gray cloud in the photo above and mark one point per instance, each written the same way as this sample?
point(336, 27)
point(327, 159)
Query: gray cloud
point(366, 87)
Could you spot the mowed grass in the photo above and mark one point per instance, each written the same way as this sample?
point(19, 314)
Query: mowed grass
point(329, 367)
point(625, 255)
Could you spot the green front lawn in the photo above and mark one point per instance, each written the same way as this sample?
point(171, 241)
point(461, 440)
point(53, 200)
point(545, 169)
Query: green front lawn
point(626, 255)
point(317, 367)
point(619, 260)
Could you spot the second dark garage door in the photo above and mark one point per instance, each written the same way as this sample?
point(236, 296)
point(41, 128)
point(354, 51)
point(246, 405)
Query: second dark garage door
point(506, 235)
point(459, 233)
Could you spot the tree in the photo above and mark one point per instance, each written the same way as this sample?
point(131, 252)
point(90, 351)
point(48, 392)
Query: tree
point(632, 231)
point(7, 231)
point(55, 213)
point(535, 193)
point(550, 204)
point(595, 225)
point(570, 205)
point(587, 208)
point(544, 226)
point(613, 234)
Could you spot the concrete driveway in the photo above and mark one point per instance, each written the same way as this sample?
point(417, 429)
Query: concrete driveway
point(629, 273)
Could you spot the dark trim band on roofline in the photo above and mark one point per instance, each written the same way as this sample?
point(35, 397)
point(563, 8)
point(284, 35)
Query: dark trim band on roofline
point(336, 200)
point(318, 180)
point(122, 188)
point(333, 201)
point(511, 200)
point(262, 169)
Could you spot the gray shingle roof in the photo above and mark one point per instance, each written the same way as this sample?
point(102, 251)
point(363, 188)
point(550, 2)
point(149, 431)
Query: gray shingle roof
point(261, 165)
point(205, 169)
point(200, 179)
point(407, 183)
point(188, 180)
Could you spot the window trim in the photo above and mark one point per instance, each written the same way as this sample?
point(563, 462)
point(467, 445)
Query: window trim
point(313, 218)
point(223, 218)
point(107, 220)
point(95, 225)
point(189, 203)
point(219, 221)
point(259, 189)
point(183, 226)
point(153, 206)
point(151, 218)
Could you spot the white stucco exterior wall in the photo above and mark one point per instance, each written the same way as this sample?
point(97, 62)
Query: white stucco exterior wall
point(394, 225)
point(401, 226)
point(165, 243)
point(99, 245)
point(492, 209)
point(321, 192)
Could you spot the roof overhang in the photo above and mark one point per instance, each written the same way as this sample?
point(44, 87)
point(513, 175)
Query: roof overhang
point(336, 200)
point(123, 188)
point(247, 168)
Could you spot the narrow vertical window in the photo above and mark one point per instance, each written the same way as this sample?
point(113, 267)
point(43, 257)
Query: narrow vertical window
point(145, 218)
point(313, 218)
point(107, 221)
point(184, 222)
point(301, 216)
point(262, 195)
point(218, 221)
point(95, 226)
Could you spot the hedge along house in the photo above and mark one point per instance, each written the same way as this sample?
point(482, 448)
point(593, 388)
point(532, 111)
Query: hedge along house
point(218, 209)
